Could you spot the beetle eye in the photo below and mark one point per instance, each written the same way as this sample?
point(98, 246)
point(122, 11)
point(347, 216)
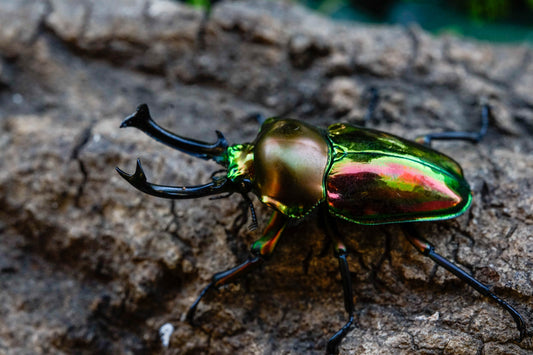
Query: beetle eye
point(289, 128)
point(292, 126)
point(246, 185)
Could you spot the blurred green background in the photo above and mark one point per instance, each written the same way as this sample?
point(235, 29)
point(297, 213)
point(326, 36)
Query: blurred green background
point(490, 20)
point(509, 21)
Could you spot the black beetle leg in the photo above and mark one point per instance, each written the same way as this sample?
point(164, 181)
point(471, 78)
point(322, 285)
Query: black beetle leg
point(373, 99)
point(473, 137)
point(340, 253)
point(223, 278)
point(426, 249)
point(260, 251)
point(248, 200)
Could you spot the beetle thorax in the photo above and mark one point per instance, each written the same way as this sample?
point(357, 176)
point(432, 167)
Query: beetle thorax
point(290, 160)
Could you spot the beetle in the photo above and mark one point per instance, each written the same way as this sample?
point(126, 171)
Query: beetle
point(358, 174)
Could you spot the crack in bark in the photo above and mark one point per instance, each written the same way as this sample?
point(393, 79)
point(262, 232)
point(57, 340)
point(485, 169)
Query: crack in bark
point(376, 281)
point(75, 155)
point(86, 19)
point(48, 9)
point(175, 220)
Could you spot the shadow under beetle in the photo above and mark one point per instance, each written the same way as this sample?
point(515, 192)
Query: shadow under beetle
point(361, 175)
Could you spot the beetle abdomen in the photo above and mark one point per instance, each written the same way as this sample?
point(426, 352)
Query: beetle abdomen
point(377, 178)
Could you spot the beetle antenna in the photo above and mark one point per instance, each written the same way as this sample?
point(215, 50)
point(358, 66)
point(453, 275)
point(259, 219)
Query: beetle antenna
point(253, 226)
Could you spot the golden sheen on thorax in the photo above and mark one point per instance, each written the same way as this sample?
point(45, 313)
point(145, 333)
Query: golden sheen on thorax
point(290, 159)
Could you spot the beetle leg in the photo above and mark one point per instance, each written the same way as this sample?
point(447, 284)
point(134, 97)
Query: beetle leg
point(259, 252)
point(426, 249)
point(373, 99)
point(248, 200)
point(334, 341)
point(340, 253)
point(223, 278)
point(473, 137)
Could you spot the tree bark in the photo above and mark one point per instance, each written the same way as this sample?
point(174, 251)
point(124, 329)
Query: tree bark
point(88, 264)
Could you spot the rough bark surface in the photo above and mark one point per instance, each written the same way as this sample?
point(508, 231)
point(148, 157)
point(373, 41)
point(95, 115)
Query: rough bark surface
point(90, 265)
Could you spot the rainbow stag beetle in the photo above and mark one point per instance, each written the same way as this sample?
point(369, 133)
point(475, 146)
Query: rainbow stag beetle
point(361, 175)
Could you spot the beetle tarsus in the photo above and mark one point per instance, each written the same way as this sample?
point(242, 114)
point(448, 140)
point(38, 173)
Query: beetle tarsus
point(473, 137)
point(428, 250)
point(341, 253)
point(223, 278)
point(333, 343)
point(192, 309)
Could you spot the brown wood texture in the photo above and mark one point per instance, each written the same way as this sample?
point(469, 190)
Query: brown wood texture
point(90, 265)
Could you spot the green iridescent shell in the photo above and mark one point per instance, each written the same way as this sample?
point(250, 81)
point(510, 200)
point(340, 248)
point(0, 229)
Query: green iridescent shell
point(377, 178)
